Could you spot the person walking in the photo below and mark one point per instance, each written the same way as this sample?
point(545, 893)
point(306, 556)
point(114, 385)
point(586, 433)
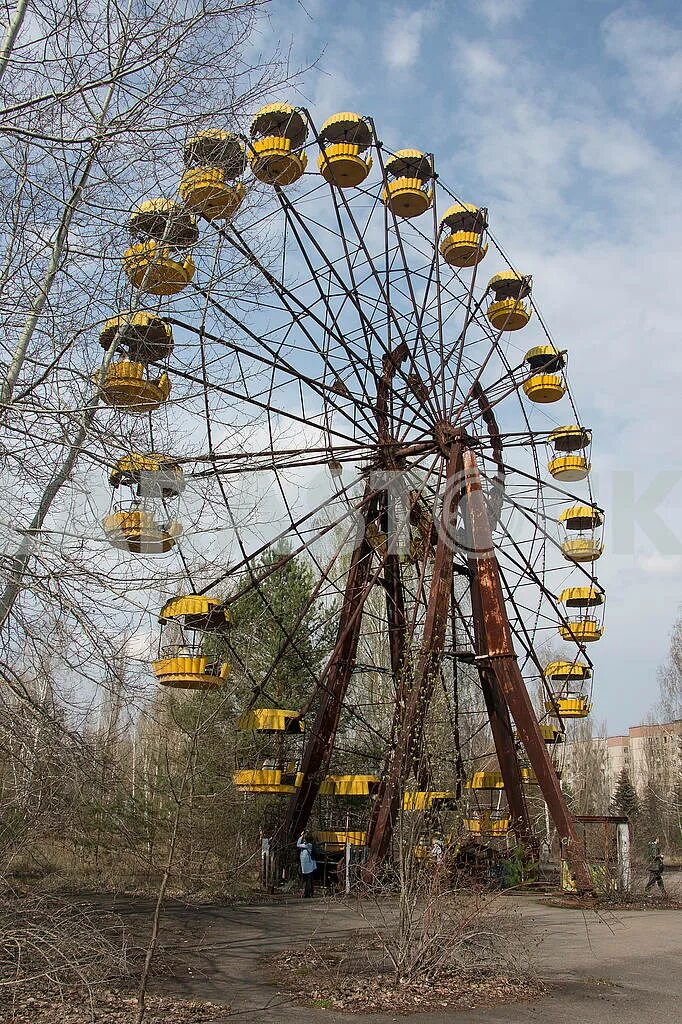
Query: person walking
point(308, 863)
point(655, 867)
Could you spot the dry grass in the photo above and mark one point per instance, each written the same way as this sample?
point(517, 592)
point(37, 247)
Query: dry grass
point(66, 962)
point(49, 942)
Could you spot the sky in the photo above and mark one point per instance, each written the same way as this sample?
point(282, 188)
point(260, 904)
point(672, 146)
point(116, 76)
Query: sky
point(563, 119)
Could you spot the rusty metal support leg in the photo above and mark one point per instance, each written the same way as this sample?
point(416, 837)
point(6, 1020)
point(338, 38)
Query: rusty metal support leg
point(321, 737)
point(395, 614)
point(503, 737)
point(396, 620)
point(410, 733)
point(498, 712)
point(502, 664)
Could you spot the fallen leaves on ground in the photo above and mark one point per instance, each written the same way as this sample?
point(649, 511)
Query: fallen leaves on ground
point(617, 901)
point(105, 1006)
point(326, 980)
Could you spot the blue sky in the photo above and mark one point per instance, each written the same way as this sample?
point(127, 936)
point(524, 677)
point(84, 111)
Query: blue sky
point(564, 120)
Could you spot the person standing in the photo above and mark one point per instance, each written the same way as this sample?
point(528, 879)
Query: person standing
point(438, 850)
point(308, 863)
point(655, 867)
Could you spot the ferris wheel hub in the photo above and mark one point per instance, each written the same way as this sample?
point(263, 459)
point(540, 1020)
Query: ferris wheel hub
point(446, 434)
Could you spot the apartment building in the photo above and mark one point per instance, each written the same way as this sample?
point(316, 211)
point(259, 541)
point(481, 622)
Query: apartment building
point(651, 753)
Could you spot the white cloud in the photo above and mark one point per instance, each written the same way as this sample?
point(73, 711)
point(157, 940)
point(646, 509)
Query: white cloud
point(615, 149)
point(334, 91)
point(650, 50)
point(496, 12)
point(477, 61)
point(403, 39)
point(660, 565)
point(141, 645)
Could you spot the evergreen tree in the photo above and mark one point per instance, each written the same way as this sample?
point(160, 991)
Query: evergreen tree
point(651, 819)
point(625, 800)
point(261, 623)
point(281, 624)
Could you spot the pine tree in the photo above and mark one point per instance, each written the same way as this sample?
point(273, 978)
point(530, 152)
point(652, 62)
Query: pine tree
point(625, 800)
point(280, 632)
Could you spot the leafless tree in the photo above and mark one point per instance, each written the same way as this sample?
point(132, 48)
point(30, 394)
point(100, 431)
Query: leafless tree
point(97, 102)
point(670, 677)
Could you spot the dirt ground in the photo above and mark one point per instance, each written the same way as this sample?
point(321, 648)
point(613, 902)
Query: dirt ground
point(599, 968)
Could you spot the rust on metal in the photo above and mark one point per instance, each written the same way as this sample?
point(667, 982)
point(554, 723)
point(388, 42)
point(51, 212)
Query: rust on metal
point(318, 748)
point(408, 741)
point(501, 663)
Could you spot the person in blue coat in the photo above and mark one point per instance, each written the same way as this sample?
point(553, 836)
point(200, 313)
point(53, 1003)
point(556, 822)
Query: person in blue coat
point(308, 863)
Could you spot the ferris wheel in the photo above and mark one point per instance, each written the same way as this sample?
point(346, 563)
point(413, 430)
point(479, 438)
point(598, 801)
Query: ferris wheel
point(429, 467)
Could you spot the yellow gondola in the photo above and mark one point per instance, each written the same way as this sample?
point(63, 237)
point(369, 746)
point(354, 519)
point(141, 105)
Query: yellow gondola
point(569, 706)
point(508, 312)
point(463, 246)
point(210, 193)
point(146, 337)
point(335, 840)
point(583, 519)
point(569, 467)
point(360, 786)
point(485, 825)
point(191, 658)
point(582, 549)
point(278, 132)
point(406, 192)
point(156, 269)
point(270, 720)
point(128, 386)
point(546, 383)
point(584, 628)
point(583, 631)
point(135, 525)
point(420, 800)
point(283, 780)
point(485, 780)
point(166, 221)
point(128, 383)
point(560, 672)
point(344, 138)
point(214, 147)
point(582, 597)
point(214, 159)
point(139, 532)
point(550, 734)
point(162, 475)
point(157, 263)
point(570, 678)
point(279, 773)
